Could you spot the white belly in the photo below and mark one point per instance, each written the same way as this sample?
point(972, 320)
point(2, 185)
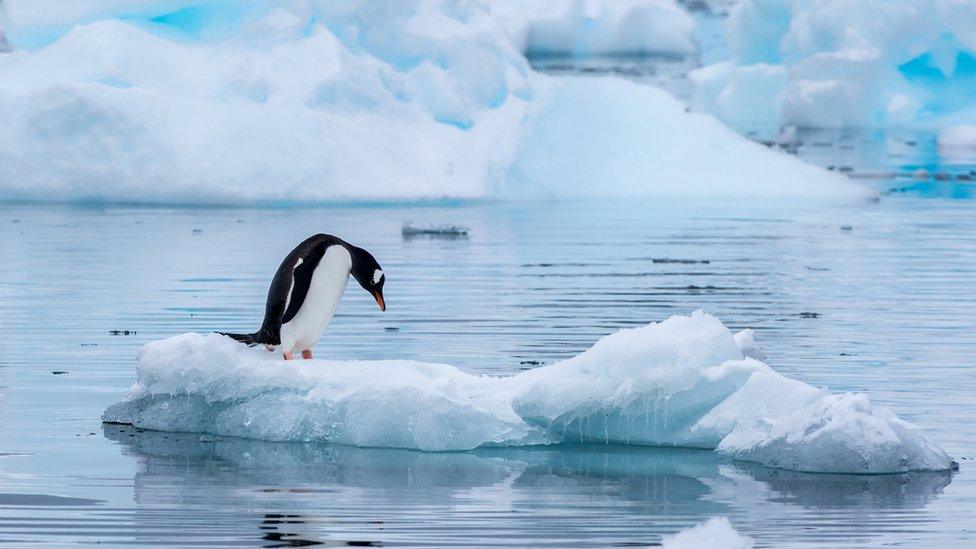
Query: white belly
point(328, 284)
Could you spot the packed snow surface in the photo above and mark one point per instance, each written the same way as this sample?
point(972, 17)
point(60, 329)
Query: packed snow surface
point(303, 100)
point(715, 533)
point(682, 382)
point(841, 63)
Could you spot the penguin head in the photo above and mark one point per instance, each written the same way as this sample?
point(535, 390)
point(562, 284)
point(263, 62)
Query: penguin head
point(368, 274)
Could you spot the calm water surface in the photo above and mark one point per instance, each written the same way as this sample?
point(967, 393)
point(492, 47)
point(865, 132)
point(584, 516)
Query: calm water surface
point(885, 307)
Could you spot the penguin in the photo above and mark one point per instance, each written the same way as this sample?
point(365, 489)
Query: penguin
point(307, 288)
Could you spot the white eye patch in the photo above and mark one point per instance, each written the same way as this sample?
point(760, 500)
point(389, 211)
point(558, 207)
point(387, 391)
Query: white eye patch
point(377, 275)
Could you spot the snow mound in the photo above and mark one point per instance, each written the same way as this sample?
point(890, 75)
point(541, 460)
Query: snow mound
point(619, 139)
point(597, 27)
point(281, 102)
point(681, 382)
point(841, 63)
point(715, 533)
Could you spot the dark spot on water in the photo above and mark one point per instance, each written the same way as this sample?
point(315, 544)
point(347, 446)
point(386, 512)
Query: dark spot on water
point(679, 261)
point(391, 329)
point(285, 540)
point(846, 228)
point(817, 268)
point(197, 231)
point(910, 143)
point(89, 344)
point(809, 315)
point(845, 169)
point(530, 362)
point(364, 544)
point(15, 221)
point(848, 354)
point(831, 167)
point(122, 332)
point(59, 372)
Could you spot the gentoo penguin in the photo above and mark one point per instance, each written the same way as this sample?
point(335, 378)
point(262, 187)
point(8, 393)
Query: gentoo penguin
point(306, 289)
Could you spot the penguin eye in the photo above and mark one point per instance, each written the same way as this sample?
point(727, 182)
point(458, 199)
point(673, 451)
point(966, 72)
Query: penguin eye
point(377, 276)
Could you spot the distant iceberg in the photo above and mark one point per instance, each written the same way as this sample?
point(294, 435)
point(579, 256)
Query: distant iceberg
point(682, 382)
point(581, 28)
point(306, 101)
point(844, 63)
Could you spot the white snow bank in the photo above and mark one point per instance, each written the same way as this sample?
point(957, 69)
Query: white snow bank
point(231, 102)
point(715, 533)
point(597, 27)
point(682, 382)
point(837, 63)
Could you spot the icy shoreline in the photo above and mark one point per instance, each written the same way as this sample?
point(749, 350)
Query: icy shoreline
point(683, 382)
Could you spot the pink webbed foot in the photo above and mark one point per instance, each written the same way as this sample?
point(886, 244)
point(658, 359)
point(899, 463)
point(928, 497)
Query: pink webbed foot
point(289, 355)
point(307, 354)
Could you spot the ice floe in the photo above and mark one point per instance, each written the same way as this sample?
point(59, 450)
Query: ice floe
point(840, 63)
point(682, 382)
point(269, 102)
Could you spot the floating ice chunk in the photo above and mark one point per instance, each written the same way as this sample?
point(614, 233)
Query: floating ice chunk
point(444, 229)
point(715, 533)
point(844, 63)
point(681, 382)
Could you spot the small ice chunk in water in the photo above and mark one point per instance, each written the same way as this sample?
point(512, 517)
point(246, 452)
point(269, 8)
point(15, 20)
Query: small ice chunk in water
point(444, 229)
point(715, 533)
point(686, 381)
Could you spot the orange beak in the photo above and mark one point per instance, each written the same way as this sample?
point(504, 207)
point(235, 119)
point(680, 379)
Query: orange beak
point(379, 300)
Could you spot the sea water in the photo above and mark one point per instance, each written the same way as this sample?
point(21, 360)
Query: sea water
point(874, 297)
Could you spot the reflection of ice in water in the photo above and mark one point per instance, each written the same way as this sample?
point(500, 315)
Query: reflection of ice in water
point(646, 492)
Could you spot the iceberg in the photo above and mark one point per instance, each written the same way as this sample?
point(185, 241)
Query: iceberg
point(307, 101)
point(681, 382)
point(844, 63)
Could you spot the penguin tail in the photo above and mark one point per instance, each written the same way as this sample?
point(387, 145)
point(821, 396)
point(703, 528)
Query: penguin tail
point(248, 339)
